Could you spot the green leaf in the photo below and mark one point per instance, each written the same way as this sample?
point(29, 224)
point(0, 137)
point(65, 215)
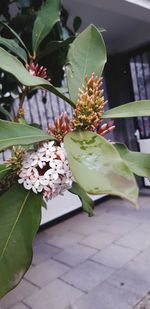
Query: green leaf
point(44, 205)
point(138, 162)
point(11, 64)
point(46, 19)
point(12, 133)
point(53, 46)
point(15, 35)
point(133, 109)
point(20, 217)
point(14, 47)
point(77, 23)
point(87, 54)
point(97, 166)
point(5, 112)
point(4, 170)
point(87, 202)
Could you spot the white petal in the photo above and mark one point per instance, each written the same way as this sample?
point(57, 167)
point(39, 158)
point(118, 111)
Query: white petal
point(55, 176)
point(37, 183)
point(27, 185)
point(21, 180)
point(34, 190)
point(26, 165)
point(40, 188)
point(40, 163)
point(44, 182)
point(52, 164)
point(29, 172)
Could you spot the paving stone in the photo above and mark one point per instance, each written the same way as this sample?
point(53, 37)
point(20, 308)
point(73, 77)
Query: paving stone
point(46, 272)
point(106, 296)
point(99, 240)
point(75, 254)
point(107, 218)
point(20, 306)
point(139, 215)
point(134, 277)
point(40, 238)
point(114, 256)
point(117, 226)
point(57, 295)
point(117, 207)
point(144, 257)
point(64, 240)
point(59, 228)
point(23, 290)
point(145, 227)
point(42, 252)
point(87, 275)
point(85, 228)
point(137, 239)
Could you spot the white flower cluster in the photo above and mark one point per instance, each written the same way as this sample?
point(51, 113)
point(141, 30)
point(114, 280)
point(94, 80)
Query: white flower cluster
point(46, 170)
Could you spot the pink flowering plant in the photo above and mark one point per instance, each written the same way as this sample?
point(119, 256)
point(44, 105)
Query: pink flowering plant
point(73, 154)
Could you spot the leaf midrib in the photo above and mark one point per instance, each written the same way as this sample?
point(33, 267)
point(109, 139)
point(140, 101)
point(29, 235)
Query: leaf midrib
point(14, 225)
point(38, 37)
point(23, 137)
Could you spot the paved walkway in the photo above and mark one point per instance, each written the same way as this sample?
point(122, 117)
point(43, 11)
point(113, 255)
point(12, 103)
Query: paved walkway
point(101, 262)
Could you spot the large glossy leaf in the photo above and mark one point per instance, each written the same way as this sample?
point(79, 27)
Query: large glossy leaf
point(12, 133)
point(4, 170)
point(14, 47)
point(97, 166)
point(87, 54)
point(87, 202)
point(12, 65)
point(46, 19)
point(138, 162)
point(133, 109)
point(20, 215)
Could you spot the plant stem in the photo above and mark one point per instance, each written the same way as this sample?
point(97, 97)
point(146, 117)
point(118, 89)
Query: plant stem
point(20, 112)
point(22, 97)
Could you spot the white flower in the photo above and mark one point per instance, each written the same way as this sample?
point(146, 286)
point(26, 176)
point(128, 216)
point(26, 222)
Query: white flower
point(38, 159)
point(46, 170)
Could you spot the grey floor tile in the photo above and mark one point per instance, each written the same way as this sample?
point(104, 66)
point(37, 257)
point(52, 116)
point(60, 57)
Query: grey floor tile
point(40, 238)
point(144, 257)
point(20, 306)
point(106, 296)
point(64, 239)
point(118, 226)
point(85, 226)
point(137, 239)
point(75, 254)
point(117, 206)
point(46, 272)
point(57, 295)
point(134, 277)
point(23, 290)
point(42, 252)
point(87, 275)
point(99, 240)
point(115, 256)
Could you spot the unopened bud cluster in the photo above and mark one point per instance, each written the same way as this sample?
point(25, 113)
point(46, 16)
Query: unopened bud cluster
point(90, 105)
point(46, 170)
point(15, 162)
point(36, 70)
point(61, 127)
